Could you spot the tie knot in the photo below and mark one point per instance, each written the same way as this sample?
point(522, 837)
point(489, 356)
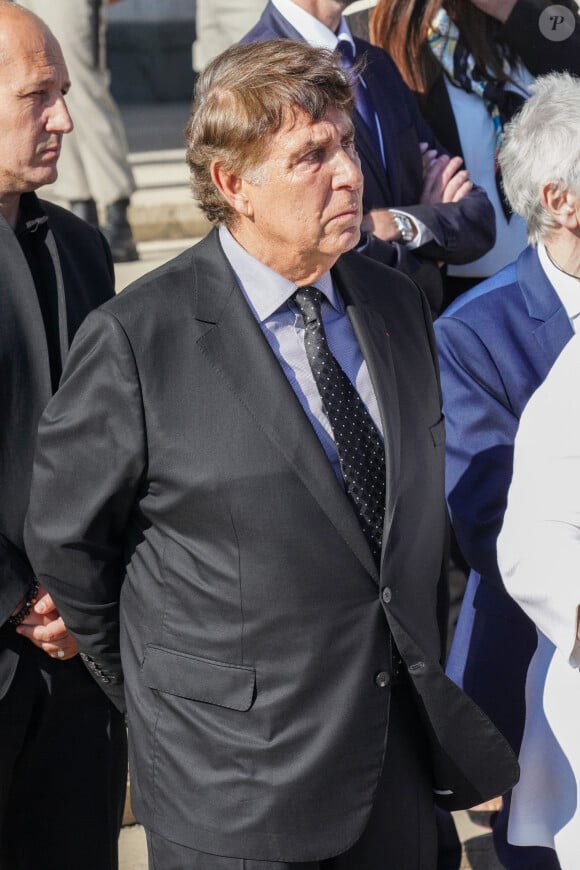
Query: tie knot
point(345, 50)
point(308, 300)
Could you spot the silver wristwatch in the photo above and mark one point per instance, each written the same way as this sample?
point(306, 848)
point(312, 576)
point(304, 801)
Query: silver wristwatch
point(405, 227)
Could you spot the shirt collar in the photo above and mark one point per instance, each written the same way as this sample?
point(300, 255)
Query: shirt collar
point(566, 286)
point(264, 289)
point(310, 28)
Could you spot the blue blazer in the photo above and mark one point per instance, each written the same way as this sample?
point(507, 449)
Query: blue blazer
point(462, 231)
point(496, 345)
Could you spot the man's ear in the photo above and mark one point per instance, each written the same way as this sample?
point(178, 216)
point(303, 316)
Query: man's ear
point(232, 188)
point(562, 204)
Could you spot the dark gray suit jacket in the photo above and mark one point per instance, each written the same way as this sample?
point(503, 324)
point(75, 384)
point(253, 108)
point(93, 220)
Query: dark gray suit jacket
point(182, 500)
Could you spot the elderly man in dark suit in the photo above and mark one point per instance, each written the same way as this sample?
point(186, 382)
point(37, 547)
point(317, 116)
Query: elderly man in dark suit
point(239, 499)
point(62, 744)
point(420, 208)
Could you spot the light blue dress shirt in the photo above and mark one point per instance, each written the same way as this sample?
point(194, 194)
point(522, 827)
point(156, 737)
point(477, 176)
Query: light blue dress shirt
point(269, 296)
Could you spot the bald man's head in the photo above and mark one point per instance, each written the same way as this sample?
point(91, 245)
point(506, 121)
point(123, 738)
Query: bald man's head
point(33, 115)
point(13, 17)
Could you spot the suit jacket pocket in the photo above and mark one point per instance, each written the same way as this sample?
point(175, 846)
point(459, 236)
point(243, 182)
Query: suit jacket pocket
point(197, 679)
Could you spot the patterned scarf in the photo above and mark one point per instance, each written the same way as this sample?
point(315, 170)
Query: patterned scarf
point(446, 43)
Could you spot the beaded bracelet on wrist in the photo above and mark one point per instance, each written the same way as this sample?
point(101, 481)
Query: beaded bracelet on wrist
point(29, 602)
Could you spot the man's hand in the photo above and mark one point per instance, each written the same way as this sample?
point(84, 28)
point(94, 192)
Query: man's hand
point(500, 9)
point(381, 223)
point(45, 628)
point(443, 178)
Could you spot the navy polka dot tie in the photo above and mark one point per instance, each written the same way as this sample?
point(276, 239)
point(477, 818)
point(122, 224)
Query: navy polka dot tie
point(358, 442)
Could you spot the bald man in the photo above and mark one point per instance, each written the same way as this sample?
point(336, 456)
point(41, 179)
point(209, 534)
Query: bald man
point(62, 744)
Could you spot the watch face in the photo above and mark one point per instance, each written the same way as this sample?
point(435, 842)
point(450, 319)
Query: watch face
point(404, 226)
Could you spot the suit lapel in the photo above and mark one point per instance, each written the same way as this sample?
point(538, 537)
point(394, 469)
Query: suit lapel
point(61, 298)
point(236, 347)
point(371, 160)
point(373, 338)
point(554, 329)
point(21, 306)
point(282, 28)
point(384, 178)
point(553, 335)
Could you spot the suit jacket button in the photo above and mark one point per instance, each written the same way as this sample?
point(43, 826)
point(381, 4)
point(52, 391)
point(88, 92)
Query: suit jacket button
point(387, 595)
point(382, 679)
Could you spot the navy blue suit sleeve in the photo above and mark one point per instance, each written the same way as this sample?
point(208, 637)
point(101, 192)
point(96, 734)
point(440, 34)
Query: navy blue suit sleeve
point(424, 273)
point(462, 231)
point(481, 428)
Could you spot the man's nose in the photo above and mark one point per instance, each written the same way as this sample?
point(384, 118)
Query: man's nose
point(59, 120)
point(348, 172)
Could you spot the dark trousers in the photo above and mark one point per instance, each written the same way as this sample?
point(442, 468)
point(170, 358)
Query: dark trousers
point(63, 768)
point(401, 832)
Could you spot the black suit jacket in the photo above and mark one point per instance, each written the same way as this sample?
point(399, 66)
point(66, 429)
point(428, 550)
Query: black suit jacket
point(461, 231)
point(187, 520)
point(81, 269)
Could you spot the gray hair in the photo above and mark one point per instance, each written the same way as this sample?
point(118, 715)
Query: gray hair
point(542, 146)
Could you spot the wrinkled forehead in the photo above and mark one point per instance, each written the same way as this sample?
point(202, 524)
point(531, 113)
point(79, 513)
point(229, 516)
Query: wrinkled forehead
point(26, 43)
point(296, 118)
point(299, 132)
